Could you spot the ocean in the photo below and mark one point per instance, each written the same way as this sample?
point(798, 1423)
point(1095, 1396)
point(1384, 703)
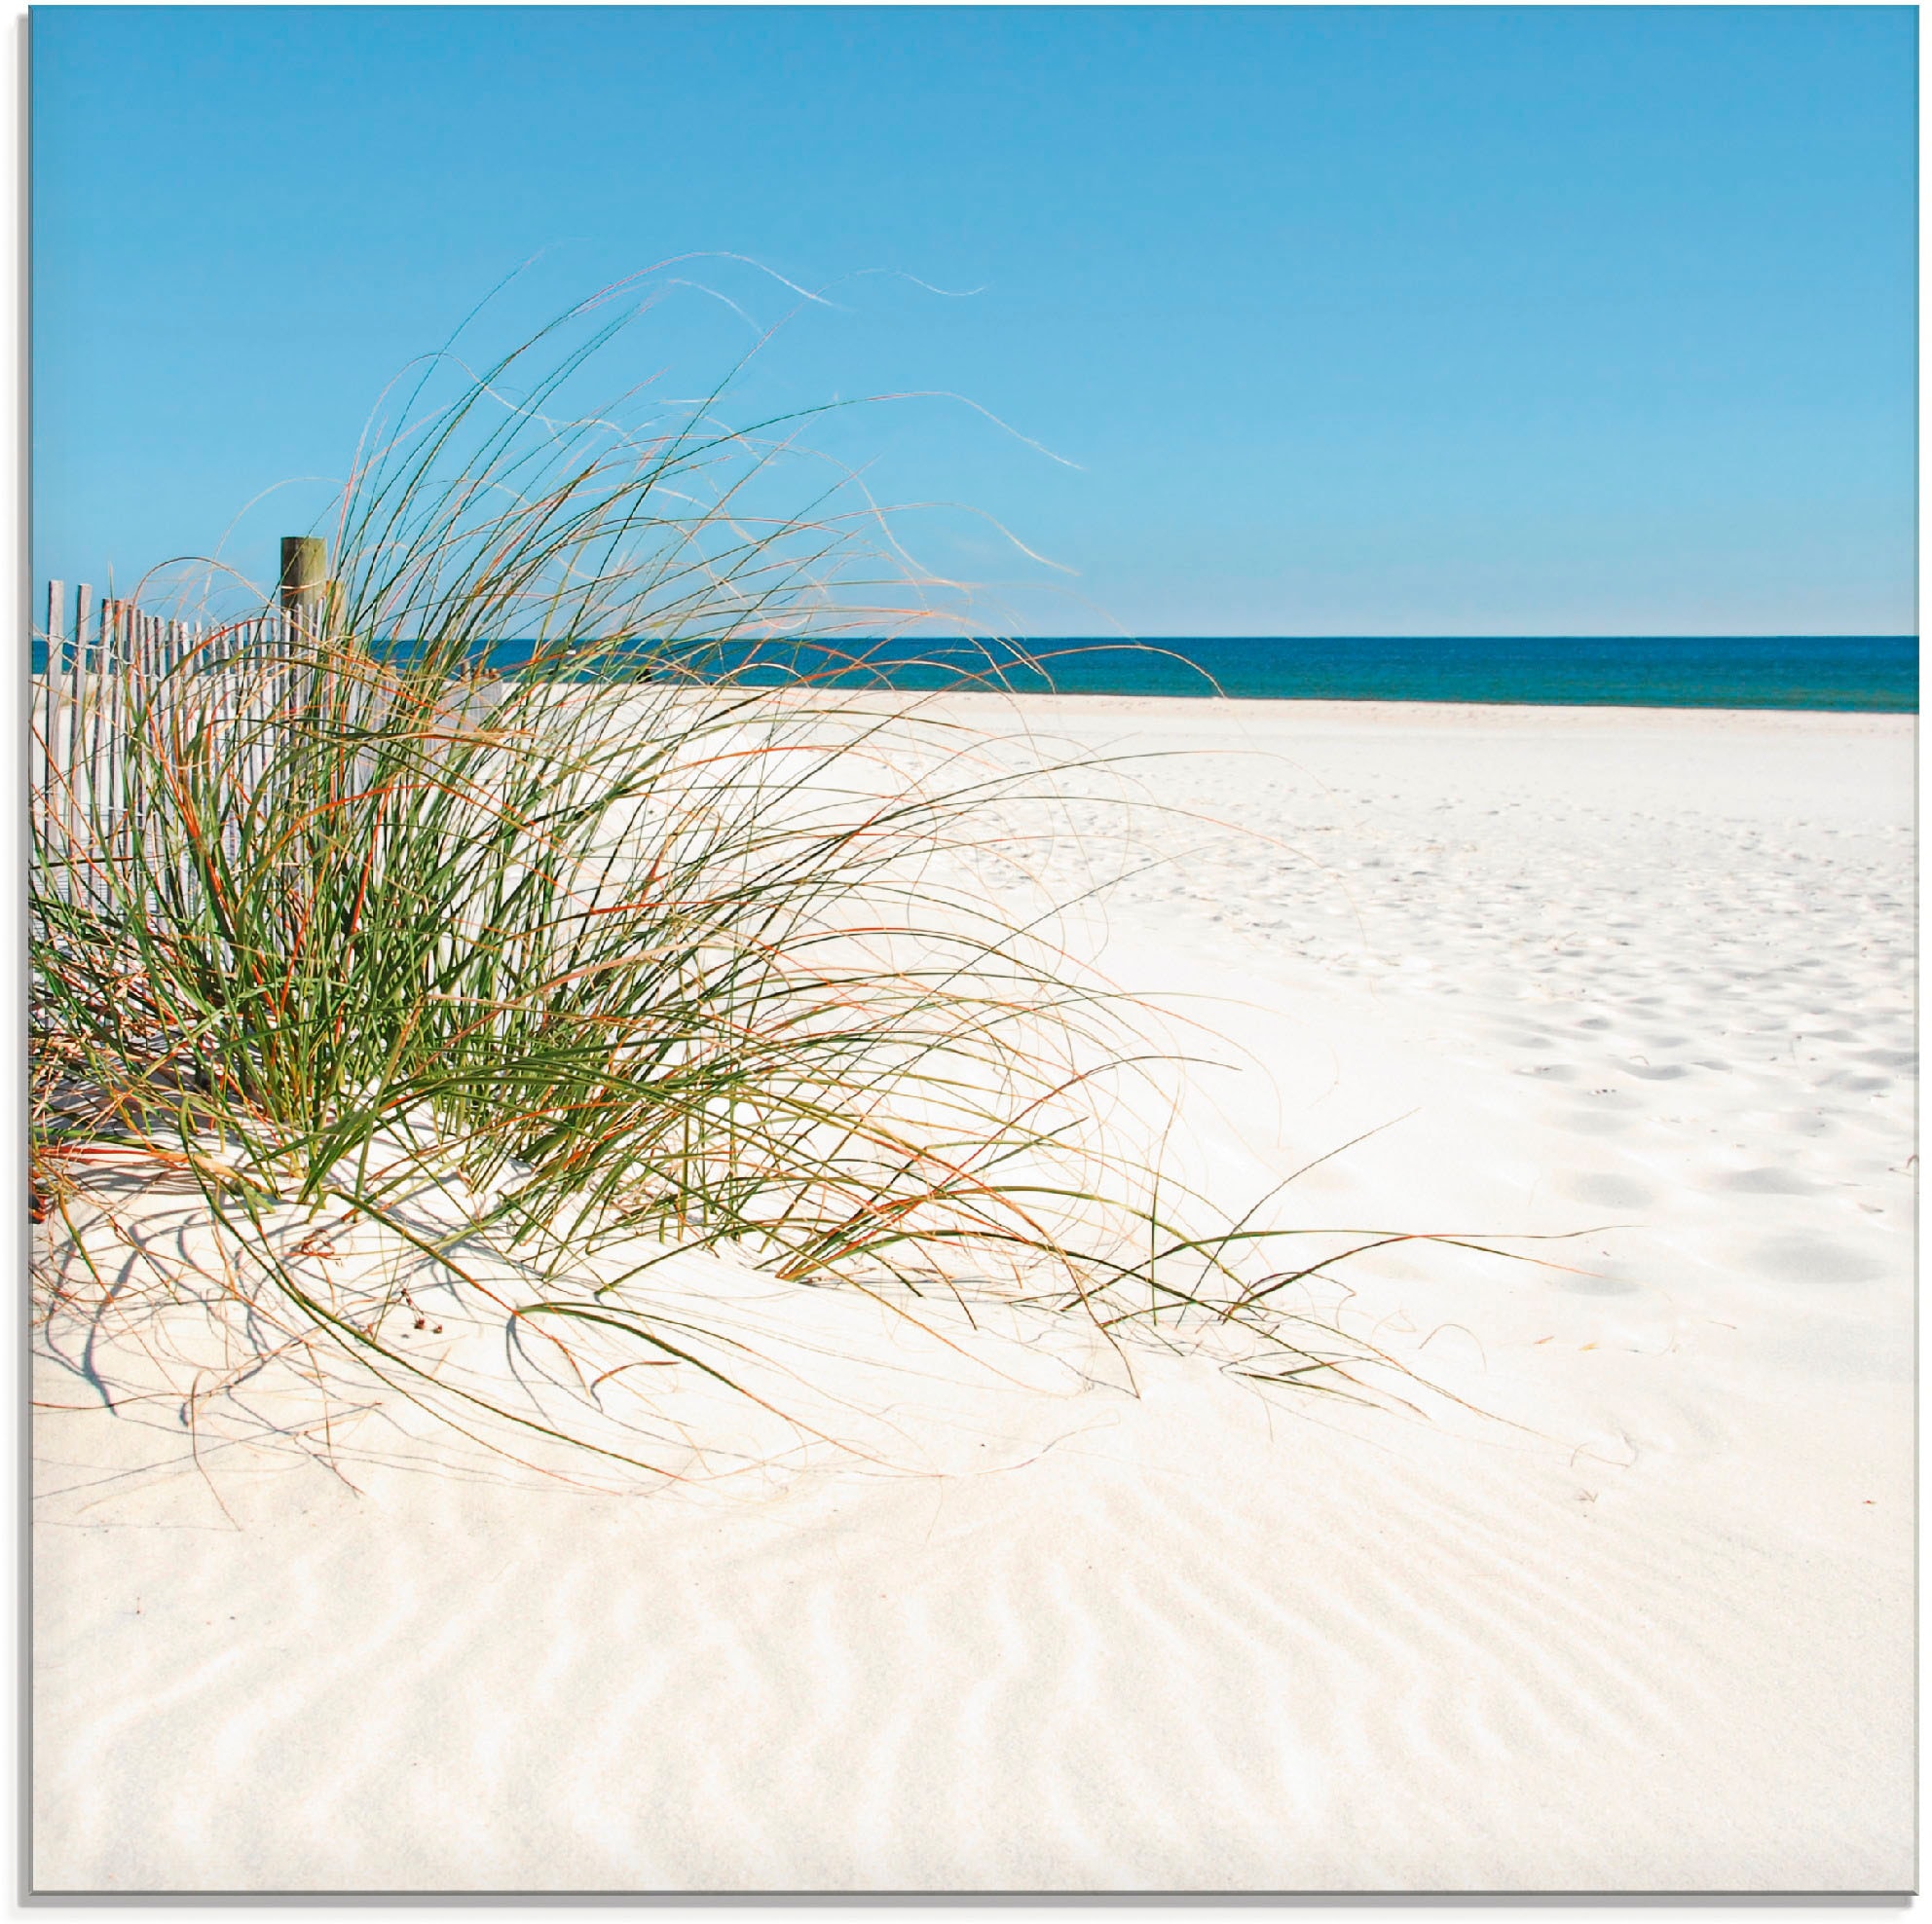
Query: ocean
point(1869, 672)
point(1878, 672)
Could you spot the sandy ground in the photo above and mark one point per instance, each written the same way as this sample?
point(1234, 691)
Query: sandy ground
point(1639, 980)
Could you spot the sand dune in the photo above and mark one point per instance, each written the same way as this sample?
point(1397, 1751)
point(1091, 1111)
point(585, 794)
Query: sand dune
point(1640, 1619)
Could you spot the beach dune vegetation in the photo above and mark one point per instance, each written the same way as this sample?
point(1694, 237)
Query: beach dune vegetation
point(511, 910)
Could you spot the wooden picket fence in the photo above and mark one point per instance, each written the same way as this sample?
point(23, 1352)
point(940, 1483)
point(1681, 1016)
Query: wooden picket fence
point(111, 666)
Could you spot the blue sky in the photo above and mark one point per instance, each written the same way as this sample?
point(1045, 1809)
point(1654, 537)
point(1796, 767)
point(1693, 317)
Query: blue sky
point(1407, 320)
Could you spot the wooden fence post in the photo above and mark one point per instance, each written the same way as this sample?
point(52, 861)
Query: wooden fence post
point(305, 568)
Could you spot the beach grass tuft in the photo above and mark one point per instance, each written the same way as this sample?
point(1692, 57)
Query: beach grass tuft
point(510, 907)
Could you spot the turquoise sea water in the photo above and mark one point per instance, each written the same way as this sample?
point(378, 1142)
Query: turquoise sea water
point(1870, 672)
point(1873, 672)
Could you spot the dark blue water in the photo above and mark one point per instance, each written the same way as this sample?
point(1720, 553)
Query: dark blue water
point(1640, 670)
point(1873, 672)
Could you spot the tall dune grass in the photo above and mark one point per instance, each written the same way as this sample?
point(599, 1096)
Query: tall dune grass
point(494, 912)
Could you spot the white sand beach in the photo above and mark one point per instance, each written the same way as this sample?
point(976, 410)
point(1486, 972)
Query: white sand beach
point(1639, 1617)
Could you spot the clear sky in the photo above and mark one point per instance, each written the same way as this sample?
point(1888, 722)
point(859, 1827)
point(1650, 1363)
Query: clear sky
point(1407, 320)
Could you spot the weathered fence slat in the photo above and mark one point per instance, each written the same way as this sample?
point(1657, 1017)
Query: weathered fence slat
point(75, 734)
point(41, 761)
point(107, 674)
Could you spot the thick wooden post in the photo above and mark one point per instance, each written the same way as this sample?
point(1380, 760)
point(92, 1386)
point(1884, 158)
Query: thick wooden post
point(305, 569)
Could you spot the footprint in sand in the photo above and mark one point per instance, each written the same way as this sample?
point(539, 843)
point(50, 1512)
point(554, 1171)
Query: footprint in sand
point(1592, 1121)
point(1614, 1192)
point(1764, 1182)
point(1807, 1257)
point(1599, 1282)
